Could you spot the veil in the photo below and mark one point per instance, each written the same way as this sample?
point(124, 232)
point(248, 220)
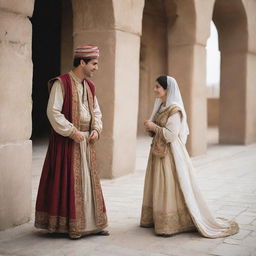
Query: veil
point(174, 98)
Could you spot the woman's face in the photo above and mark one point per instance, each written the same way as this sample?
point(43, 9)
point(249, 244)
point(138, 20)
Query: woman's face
point(159, 91)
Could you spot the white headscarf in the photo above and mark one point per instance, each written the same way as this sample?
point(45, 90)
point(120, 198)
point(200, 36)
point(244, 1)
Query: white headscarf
point(174, 98)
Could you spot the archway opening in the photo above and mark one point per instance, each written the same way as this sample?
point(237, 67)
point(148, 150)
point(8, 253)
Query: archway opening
point(153, 63)
point(153, 56)
point(213, 85)
point(231, 22)
point(158, 18)
point(52, 45)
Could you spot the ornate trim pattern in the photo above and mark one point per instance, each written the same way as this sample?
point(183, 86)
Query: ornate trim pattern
point(167, 223)
point(54, 223)
point(58, 224)
point(159, 145)
point(76, 158)
point(147, 220)
point(99, 204)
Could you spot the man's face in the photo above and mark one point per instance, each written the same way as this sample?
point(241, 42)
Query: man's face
point(90, 67)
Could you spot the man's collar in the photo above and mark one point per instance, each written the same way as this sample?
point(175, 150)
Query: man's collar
point(76, 78)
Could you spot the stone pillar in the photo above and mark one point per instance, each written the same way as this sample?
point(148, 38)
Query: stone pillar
point(15, 116)
point(187, 65)
point(250, 7)
point(118, 37)
point(251, 92)
point(237, 98)
point(236, 26)
point(233, 98)
point(188, 31)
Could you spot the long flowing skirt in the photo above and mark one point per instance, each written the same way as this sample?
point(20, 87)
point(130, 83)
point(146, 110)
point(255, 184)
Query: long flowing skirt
point(172, 202)
point(56, 209)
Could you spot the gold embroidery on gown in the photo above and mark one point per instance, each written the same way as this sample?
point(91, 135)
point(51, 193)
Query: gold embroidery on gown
point(164, 206)
point(159, 145)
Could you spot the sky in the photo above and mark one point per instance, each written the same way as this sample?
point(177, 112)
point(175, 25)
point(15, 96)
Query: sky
point(213, 58)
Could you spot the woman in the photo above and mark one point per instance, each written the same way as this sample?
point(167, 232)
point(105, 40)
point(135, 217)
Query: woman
point(172, 202)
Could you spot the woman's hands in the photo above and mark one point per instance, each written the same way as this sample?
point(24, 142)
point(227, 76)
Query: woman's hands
point(150, 126)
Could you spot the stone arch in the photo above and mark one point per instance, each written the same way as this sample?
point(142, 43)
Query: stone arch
point(46, 55)
point(181, 35)
point(213, 85)
point(94, 23)
point(213, 81)
point(153, 55)
point(74, 22)
point(187, 34)
point(114, 26)
point(231, 22)
point(186, 37)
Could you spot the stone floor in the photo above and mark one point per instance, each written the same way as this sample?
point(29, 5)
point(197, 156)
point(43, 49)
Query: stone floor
point(226, 176)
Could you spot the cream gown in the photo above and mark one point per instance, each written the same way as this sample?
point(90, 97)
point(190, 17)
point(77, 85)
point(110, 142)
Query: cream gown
point(172, 202)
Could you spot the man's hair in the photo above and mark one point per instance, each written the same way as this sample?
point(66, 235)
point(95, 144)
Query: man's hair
point(76, 61)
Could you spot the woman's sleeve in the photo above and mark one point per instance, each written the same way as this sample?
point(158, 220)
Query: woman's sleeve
point(58, 121)
point(172, 128)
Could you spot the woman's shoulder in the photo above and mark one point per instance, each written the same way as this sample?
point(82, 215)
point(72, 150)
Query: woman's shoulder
point(173, 109)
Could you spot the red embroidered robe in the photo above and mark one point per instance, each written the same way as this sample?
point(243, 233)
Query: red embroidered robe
point(60, 199)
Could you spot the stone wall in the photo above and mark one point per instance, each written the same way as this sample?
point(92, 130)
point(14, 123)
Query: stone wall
point(117, 33)
point(213, 112)
point(15, 115)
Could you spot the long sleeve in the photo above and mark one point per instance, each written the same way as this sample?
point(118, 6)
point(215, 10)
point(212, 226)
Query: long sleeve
point(58, 121)
point(172, 128)
point(97, 116)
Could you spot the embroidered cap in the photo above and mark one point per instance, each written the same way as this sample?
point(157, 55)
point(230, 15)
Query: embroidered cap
point(86, 51)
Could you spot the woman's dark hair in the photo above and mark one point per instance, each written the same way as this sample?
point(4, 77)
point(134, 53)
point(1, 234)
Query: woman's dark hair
point(162, 80)
point(76, 61)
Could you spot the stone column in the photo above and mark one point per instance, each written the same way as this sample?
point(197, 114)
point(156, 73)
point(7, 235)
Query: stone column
point(251, 92)
point(250, 7)
point(236, 26)
point(15, 115)
point(237, 98)
point(187, 65)
point(189, 28)
point(118, 38)
point(233, 98)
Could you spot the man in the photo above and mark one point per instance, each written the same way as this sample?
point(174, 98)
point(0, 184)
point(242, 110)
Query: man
point(69, 197)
